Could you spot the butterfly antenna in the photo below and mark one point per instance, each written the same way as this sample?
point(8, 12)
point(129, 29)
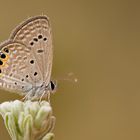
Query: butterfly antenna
point(42, 14)
point(25, 97)
point(69, 77)
point(48, 97)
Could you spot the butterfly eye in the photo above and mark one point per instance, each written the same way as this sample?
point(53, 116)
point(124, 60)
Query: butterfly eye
point(52, 85)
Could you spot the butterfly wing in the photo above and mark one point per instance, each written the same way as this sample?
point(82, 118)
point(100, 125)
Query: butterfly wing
point(35, 34)
point(16, 72)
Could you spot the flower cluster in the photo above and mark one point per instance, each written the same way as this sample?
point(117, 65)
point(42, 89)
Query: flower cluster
point(28, 120)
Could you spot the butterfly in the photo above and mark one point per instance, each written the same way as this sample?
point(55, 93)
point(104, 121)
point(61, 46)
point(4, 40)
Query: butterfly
point(26, 59)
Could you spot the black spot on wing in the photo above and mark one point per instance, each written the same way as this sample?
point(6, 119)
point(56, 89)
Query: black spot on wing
point(40, 51)
point(1, 63)
point(32, 61)
point(35, 73)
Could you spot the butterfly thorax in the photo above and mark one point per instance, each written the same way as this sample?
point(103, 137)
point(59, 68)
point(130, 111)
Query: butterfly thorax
point(39, 90)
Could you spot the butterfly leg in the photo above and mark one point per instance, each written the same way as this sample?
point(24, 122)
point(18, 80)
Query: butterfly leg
point(26, 97)
point(41, 97)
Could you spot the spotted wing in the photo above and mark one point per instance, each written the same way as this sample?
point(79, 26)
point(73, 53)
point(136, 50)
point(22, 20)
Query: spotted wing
point(35, 34)
point(16, 70)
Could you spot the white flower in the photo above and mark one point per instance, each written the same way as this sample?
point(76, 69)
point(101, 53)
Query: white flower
point(28, 120)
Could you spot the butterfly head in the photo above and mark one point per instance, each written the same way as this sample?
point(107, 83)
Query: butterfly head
point(52, 86)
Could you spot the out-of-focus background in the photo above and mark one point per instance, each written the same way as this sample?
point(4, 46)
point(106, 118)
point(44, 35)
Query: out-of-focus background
point(99, 41)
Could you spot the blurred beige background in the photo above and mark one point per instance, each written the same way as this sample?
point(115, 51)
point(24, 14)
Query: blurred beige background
point(99, 41)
